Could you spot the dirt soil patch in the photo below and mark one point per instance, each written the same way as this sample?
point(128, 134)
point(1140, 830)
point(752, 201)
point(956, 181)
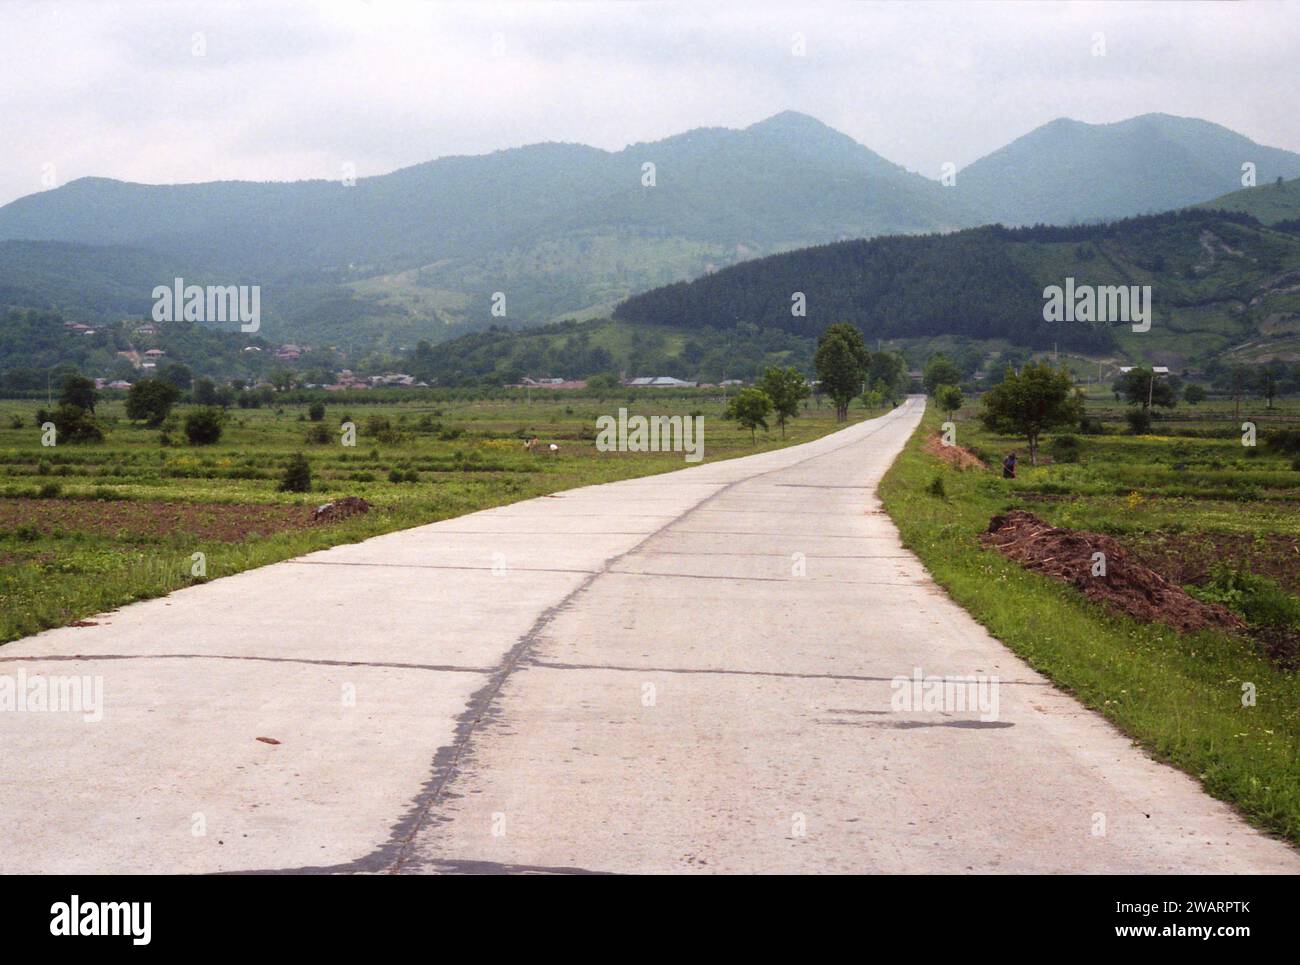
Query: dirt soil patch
point(1188, 558)
point(1128, 585)
point(1280, 644)
point(217, 522)
point(340, 509)
point(959, 457)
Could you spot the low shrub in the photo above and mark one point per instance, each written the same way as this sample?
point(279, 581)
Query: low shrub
point(1139, 421)
point(1065, 449)
point(1259, 600)
point(297, 475)
point(203, 426)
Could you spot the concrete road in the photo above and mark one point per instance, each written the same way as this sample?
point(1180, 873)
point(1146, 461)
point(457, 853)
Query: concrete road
point(689, 672)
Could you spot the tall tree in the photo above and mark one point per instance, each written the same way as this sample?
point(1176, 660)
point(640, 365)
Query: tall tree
point(150, 401)
point(940, 370)
point(948, 398)
point(887, 374)
point(1038, 399)
point(786, 388)
point(1238, 380)
point(1268, 384)
point(79, 391)
point(1141, 386)
point(842, 360)
point(750, 407)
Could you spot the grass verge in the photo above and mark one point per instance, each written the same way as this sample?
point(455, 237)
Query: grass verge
point(1178, 696)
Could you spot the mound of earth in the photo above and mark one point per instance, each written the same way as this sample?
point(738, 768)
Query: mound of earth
point(340, 509)
point(1127, 586)
point(957, 456)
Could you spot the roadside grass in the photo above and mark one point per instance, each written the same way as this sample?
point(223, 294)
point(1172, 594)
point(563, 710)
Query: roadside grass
point(1178, 696)
point(60, 563)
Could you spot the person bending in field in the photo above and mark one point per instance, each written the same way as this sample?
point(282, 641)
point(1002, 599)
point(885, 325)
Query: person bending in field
point(1009, 467)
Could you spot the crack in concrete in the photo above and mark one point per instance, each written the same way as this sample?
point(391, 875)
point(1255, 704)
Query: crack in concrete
point(391, 856)
point(440, 566)
point(441, 668)
point(722, 671)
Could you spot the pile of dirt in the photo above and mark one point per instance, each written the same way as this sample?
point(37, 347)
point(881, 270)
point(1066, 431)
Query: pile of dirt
point(340, 509)
point(957, 456)
point(1127, 586)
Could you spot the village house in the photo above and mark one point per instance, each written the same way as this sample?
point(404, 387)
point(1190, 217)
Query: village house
point(392, 378)
point(660, 382)
point(549, 383)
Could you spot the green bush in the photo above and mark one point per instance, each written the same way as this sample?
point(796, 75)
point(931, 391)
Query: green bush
point(1283, 441)
point(317, 434)
point(316, 411)
point(1139, 421)
point(1259, 600)
point(1065, 449)
point(150, 401)
point(74, 424)
point(203, 426)
point(297, 475)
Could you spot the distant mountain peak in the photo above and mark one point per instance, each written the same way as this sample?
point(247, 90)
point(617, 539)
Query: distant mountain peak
point(790, 120)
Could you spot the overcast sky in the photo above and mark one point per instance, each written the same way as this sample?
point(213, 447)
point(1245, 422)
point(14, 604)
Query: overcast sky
point(177, 91)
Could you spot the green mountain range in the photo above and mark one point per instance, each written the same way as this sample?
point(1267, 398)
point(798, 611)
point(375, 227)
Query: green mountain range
point(1221, 283)
point(1068, 172)
point(568, 231)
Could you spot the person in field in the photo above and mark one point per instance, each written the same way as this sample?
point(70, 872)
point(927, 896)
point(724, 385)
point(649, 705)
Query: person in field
point(1009, 467)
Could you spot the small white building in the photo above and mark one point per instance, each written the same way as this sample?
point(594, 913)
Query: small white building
point(661, 382)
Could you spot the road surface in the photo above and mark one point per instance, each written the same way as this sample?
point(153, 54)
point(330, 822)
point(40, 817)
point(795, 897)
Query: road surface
point(690, 672)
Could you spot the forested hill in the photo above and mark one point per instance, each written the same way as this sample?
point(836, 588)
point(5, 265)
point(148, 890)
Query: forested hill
point(1212, 274)
point(1273, 203)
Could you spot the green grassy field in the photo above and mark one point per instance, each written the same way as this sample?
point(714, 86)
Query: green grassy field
point(85, 528)
point(1181, 504)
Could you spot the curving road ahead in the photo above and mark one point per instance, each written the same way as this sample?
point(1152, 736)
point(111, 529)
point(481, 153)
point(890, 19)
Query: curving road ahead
point(688, 672)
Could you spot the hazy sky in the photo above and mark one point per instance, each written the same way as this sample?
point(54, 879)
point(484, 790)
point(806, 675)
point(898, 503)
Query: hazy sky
point(177, 91)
